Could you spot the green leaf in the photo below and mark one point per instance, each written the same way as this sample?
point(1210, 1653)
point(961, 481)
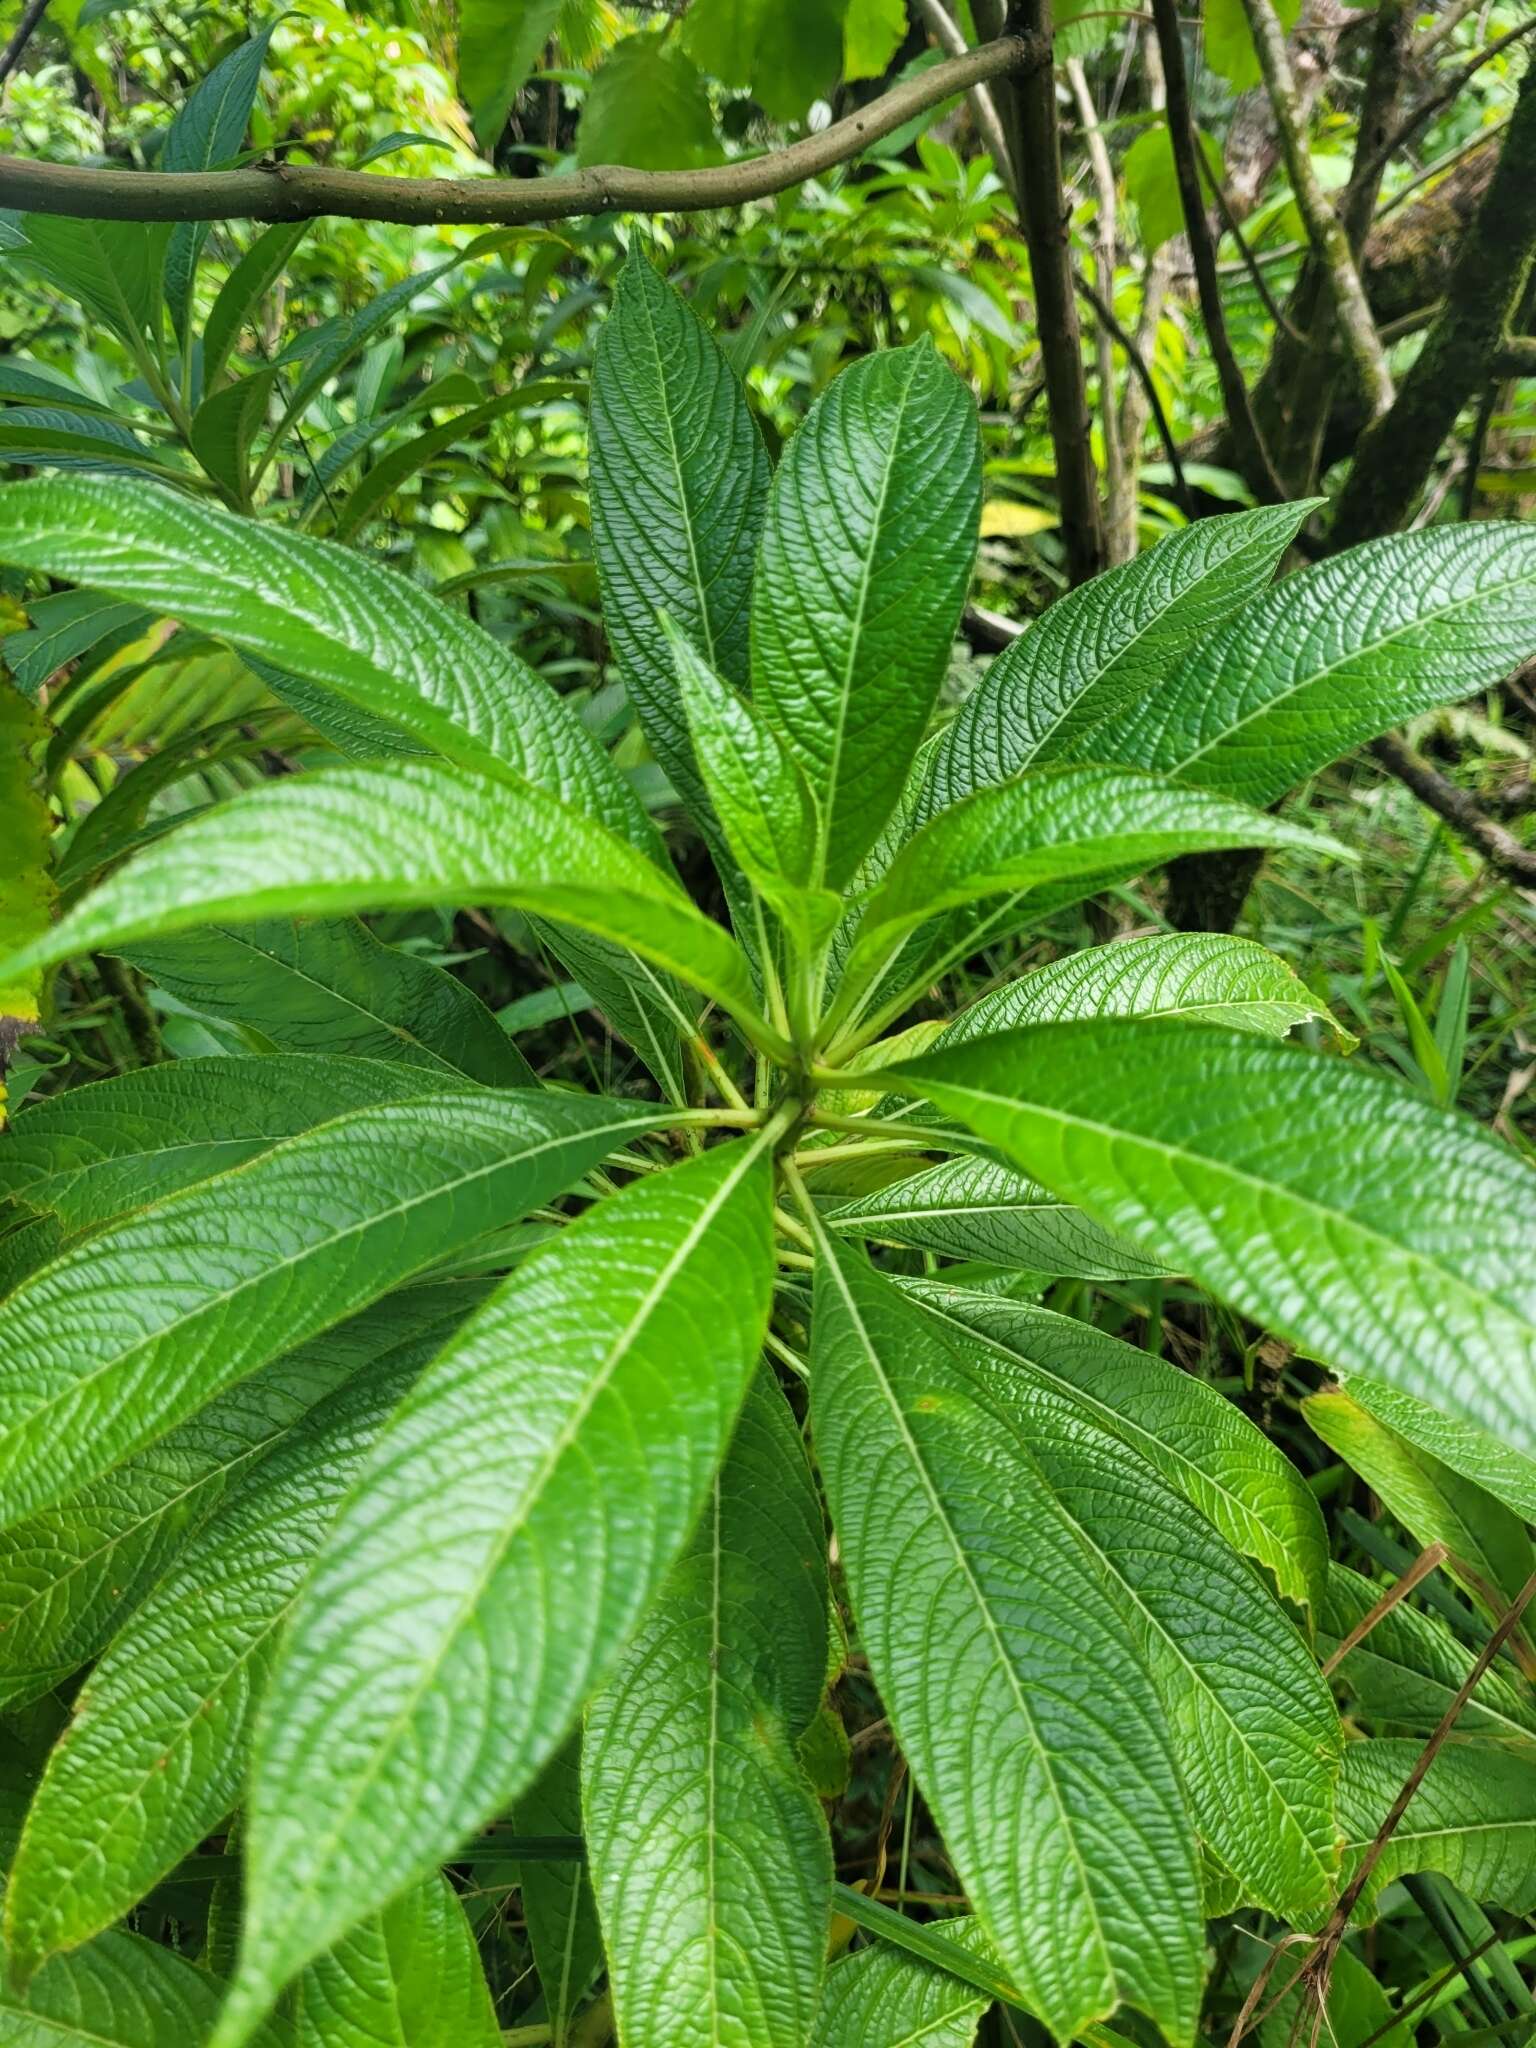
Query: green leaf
point(135, 1329)
point(70, 1575)
point(1254, 1730)
point(1353, 1217)
point(558, 1905)
point(865, 558)
point(1473, 1820)
point(873, 31)
point(1229, 47)
point(329, 986)
point(321, 612)
point(1491, 1554)
point(208, 133)
point(395, 469)
point(1206, 977)
point(409, 1977)
point(397, 836)
point(883, 1995)
point(26, 908)
point(1507, 1473)
point(90, 1153)
point(498, 48)
point(1053, 825)
point(243, 292)
point(976, 1209)
point(69, 624)
point(647, 107)
point(110, 268)
point(515, 1522)
point(708, 1847)
point(785, 52)
point(1200, 1443)
point(209, 128)
point(121, 1992)
point(1407, 1671)
point(759, 793)
point(1106, 645)
point(1152, 185)
point(224, 426)
point(155, 1752)
point(50, 435)
point(1004, 1664)
point(679, 486)
point(1334, 655)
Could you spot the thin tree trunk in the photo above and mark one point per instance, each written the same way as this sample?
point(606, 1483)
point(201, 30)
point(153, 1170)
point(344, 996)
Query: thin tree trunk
point(1034, 139)
point(1105, 243)
point(1397, 453)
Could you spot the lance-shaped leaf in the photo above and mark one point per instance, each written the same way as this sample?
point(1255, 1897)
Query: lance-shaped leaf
point(515, 1521)
point(1350, 1215)
point(324, 613)
point(411, 833)
point(1206, 977)
point(134, 1330)
point(884, 1994)
point(329, 986)
point(709, 1851)
point(1017, 1692)
point(1106, 645)
point(1472, 1819)
point(407, 1977)
point(1254, 1729)
point(1058, 825)
point(759, 794)
point(679, 485)
point(976, 1209)
point(496, 53)
point(89, 1153)
point(1198, 1440)
point(155, 1753)
point(558, 1905)
point(866, 554)
point(1490, 1552)
point(121, 1992)
point(1507, 1473)
point(1409, 1669)
point(70, 1575)
point(1332, 656)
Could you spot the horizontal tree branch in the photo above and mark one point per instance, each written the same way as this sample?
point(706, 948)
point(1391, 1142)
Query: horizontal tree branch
point(1460, 809)
point(275, 192)
point(1516, 357)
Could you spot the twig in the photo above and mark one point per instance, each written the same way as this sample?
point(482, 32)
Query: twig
point(1502, 851)
point(1105, 314)
point(947, 32)
point(1181, 130)
point(289, 192)
point(1452, 89)
point(16, 48)
point(1426, 1562)
point(1104, 244)
point(1250, 262)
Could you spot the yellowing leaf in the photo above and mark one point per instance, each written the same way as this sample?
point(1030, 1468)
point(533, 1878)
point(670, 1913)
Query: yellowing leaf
point(1006, 518)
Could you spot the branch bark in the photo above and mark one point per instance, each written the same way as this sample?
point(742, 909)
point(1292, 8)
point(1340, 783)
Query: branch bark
point(287, 192)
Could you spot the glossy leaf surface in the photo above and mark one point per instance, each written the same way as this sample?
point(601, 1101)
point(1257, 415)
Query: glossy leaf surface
point(408, 1977)
point(513, 1524)
point(1473, 1819)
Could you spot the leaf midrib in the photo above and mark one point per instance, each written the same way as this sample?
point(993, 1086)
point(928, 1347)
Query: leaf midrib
point(957, 1549)
point(538, 1480)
